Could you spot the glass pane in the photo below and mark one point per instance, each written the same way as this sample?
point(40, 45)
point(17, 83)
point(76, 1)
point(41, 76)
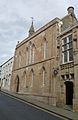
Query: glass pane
point(65, 56)
point(70, 54)
point(70, 38)
point(65, 40)
point(70, 45)
point(65, 47)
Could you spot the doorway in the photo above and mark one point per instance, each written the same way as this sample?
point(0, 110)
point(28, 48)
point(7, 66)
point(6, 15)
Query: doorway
point(17, 84)
point(69, 92)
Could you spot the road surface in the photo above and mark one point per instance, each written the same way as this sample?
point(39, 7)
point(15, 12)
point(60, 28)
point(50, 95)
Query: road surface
point(13, 109)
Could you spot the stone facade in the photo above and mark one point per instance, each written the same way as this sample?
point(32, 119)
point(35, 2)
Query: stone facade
point(33, 68)
point(43, 68)
point(68, 70)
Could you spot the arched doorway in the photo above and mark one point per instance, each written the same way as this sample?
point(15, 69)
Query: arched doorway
point(69, 92)
point(17, 83)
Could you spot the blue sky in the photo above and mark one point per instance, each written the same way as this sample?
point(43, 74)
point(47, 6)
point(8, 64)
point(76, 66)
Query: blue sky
point(15, 20)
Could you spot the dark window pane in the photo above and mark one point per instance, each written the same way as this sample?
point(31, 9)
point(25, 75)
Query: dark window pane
point(70, 38)
point(70, 54)
point(67, 76)
point(65, 56)
point(65, 40)
point(65, 47)
point(70, 45)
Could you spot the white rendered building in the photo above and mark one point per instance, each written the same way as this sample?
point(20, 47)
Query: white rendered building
point(6, 72)
point(0, 76)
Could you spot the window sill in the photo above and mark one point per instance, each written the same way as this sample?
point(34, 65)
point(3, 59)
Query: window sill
point(67, 65)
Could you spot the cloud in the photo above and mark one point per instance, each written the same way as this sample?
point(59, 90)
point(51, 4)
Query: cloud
point(15, 20)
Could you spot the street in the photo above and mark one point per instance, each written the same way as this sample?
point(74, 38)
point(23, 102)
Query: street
point(13, 109)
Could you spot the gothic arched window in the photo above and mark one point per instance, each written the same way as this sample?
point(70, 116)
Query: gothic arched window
point(33, 53)
point(32, 77)
point(27, 56)
point(30, 53)
point(45, 48)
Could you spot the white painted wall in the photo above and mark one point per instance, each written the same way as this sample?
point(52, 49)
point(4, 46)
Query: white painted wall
point(6, 73)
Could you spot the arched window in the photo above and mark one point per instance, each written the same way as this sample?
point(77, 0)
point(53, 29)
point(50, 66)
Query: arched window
point(32, 77)
point(45, 48)
point(33, 53)
point(43, 76)
point(27, 56)
point(30, 53)
point(17, 83)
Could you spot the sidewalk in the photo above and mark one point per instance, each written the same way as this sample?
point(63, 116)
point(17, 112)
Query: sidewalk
point(59, 111)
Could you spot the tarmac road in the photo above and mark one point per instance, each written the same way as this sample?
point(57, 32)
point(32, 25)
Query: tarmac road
point(13, 109)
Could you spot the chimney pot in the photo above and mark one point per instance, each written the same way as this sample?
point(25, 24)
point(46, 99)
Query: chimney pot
point(70, 10)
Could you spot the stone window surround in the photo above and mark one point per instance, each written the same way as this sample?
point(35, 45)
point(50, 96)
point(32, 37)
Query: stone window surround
point(62, 59)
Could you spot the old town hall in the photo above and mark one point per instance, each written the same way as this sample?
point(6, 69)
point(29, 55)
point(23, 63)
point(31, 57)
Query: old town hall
point(46, 63)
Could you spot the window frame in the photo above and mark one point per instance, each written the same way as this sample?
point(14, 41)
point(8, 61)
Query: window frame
point(69, 46)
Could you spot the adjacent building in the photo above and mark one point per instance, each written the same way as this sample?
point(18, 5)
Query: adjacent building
point(46, 63)
point(0, 76)
point(6, 72)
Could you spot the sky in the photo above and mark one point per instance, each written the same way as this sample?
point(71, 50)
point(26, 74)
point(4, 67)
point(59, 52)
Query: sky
point(15, 20)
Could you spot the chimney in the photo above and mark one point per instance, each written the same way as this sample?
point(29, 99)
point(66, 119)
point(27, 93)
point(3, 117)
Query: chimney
point(70, 10)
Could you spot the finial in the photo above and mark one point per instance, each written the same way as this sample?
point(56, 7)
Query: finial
point(32, 19)
point(70, 10)
point(31, 30)
point(17, 42)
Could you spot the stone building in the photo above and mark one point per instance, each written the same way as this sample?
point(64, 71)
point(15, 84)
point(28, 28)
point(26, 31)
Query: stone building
point(45, 63)
point(0, 76)
point(6, 72)
point(67, 55)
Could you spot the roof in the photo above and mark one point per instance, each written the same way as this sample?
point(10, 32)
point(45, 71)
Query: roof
point(69, 29)
point(56, 20)
point(6, 61)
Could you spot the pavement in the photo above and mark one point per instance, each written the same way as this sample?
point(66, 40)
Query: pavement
point(68, 114)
